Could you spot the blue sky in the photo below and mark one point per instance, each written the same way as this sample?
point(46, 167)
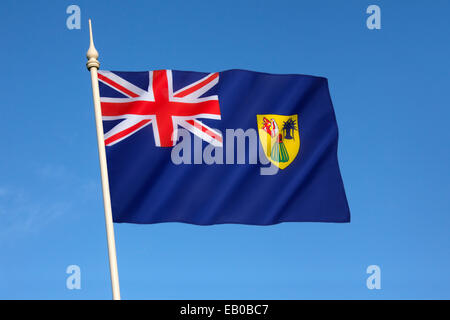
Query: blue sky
point(391, 97)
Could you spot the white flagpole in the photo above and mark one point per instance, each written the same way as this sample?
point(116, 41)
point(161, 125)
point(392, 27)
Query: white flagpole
point(93, 66)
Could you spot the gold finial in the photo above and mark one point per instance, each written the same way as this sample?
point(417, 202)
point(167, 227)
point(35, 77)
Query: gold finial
point(92, 53)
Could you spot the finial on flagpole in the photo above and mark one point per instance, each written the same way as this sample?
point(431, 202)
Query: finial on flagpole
point(92, 53)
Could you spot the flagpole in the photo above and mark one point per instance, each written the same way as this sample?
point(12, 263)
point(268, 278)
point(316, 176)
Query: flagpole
point(93, 66)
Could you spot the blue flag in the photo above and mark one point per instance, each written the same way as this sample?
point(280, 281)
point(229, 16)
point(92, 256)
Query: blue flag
point(226, 147)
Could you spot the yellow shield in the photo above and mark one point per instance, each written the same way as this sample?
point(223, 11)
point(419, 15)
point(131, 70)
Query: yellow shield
point(279, 138)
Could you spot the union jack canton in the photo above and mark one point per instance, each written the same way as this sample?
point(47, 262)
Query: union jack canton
point(153, 102)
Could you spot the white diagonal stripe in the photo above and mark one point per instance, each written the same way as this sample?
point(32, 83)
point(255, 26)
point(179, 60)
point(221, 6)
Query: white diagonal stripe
point(199, 133)
point(124, 83)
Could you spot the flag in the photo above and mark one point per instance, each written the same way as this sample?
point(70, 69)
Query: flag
point(224, 147)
